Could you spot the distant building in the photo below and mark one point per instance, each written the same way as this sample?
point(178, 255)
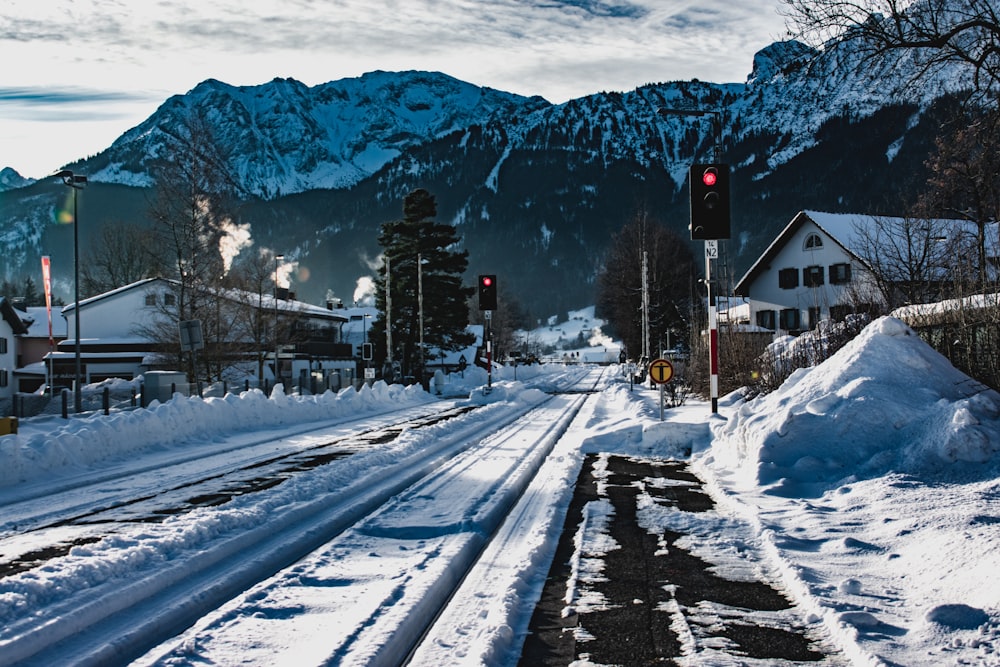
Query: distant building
point(116, 328)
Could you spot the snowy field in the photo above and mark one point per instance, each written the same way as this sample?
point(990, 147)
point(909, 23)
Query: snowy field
point(872, 483)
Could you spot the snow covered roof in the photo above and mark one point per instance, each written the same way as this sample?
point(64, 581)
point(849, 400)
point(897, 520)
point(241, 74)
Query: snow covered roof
point(268, 300)
point(9, 315)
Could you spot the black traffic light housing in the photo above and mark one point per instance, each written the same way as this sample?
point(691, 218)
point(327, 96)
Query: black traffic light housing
point(487, 292)
point(709, 201)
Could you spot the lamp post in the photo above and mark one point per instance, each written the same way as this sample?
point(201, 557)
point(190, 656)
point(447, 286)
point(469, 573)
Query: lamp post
point(76, 182)
point(277, 376)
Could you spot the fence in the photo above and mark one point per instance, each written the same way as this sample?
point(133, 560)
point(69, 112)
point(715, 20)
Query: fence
point(129, 397)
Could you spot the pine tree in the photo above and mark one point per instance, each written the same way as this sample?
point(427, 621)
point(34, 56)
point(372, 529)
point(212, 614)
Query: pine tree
point(422, 258)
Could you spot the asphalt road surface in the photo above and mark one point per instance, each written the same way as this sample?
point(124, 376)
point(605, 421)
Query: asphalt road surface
point(656, 600)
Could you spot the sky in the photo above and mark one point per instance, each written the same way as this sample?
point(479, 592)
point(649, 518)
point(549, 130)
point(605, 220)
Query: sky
point(79, 73)
point(866, 489)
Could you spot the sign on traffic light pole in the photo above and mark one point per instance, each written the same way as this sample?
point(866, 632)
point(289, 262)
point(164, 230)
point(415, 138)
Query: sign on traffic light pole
point(709, 201)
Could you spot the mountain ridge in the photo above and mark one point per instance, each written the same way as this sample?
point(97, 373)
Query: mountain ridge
point(537, 189)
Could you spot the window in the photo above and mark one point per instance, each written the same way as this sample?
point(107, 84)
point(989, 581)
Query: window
point(789, 319)
point(812, 276)
point(3, 346)
point(765, 319)
point(840, 274)
point(814, 316)
point(813, 241)
point(150, 299)
point(169, 299)
point(3, 377)
point(788, 278)
point(839, 312)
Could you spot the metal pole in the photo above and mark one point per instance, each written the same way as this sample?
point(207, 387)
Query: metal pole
point(388, 313)
point(277, 258)
point(420, 307)
point(711, 248)
point(645, 305)
point(76, 181)
point(78, 396)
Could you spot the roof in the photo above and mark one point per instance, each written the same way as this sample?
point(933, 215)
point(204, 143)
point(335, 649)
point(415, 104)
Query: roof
point(10, 316)
point(845, 229)
point(269, 301)
point(37, 321)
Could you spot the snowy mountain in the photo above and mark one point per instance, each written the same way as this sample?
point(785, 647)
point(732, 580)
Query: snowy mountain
point(537, 189)
point(285, 137)
point(11, 180)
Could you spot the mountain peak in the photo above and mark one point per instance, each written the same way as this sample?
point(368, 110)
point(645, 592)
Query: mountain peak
point(778, 58)
point(10, 179)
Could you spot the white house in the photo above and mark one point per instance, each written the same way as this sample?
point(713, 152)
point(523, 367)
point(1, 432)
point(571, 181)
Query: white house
point(11, 326)
point(114, 341)
point(813, 270)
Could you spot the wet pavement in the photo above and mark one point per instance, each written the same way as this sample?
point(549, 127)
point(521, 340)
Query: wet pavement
point(654, 601)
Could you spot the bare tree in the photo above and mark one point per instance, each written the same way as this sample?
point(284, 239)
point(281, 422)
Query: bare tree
point(195, 196)
point(965, 183)
point(122, 254)
point(257, 322)
point(908, 258)
point(938, 32)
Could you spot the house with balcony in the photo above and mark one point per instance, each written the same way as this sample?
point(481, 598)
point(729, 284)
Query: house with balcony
point(814, 269)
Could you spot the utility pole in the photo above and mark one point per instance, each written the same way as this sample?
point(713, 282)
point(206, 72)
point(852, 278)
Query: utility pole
point(645, 304)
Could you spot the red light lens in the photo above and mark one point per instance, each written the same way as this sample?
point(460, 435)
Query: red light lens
point(710, 177)
point(487, 281)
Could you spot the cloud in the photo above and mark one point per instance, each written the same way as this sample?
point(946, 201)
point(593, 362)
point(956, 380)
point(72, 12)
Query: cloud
point(38, 103)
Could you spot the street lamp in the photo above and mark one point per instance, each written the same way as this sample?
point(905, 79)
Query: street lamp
point(277, 259)
point(76, 182)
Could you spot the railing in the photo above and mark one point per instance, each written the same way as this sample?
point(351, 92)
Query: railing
point(106, 400)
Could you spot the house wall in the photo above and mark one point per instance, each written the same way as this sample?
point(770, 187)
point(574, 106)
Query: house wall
point(8, 359)
point(117, 316)
point(811, 303)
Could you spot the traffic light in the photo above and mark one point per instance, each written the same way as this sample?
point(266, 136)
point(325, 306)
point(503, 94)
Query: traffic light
point(487, 292)
point(709, 201)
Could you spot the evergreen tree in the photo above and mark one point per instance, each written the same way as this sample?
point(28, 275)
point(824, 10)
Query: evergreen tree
point(670, 278)
point(422, 259)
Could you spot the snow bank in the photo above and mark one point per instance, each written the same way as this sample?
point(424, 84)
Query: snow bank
point(885, 402)
point(183, 421)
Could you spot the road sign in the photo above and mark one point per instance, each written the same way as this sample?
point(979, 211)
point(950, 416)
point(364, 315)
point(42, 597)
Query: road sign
point(661, 371)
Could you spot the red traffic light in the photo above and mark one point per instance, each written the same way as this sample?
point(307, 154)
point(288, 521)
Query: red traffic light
point(710, 177)
point(487, 292)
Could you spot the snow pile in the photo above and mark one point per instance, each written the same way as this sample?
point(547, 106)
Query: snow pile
point(872, 480)
point(885, 402)
point(83, 443)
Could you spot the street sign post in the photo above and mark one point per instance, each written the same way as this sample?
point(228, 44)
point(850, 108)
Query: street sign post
point(661, 371)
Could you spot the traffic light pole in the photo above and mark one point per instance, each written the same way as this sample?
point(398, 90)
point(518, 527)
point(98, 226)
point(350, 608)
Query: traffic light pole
point(712, 252)
point(489, 350)
point(711, 230)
